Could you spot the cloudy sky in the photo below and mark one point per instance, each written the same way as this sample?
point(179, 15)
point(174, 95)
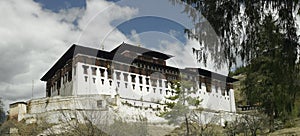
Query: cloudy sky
point(35, 33)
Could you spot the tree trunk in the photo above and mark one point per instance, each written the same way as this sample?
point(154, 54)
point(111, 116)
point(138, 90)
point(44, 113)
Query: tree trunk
point(187, 125)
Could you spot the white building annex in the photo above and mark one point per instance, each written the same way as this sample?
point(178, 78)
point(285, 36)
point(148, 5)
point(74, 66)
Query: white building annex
point(126, 76)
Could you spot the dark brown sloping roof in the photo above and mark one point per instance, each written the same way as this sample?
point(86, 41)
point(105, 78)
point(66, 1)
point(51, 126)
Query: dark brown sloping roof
point(71, 52)
point(210, 74)
point(141, 50)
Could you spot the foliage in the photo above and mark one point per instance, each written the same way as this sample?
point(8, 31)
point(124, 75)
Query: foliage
point(182, 106)
point(269, 83)
point(247, 124)
point(263, 35)
point(238, 71)
point(2, 112)
point(123, 128)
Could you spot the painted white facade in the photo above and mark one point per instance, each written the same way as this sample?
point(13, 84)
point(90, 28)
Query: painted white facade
point(17, 110)
point(89, 80)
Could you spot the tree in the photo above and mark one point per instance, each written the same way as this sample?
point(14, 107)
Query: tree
point(268, 83)
point(249, 123)
point(182, 106)
point(2, 113)
point(263, 35)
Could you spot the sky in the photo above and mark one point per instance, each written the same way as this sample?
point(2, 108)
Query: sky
point(35, 33)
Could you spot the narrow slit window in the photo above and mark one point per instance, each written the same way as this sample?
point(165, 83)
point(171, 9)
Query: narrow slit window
point(85, 78)
point(118, 75)
point(147, 81)
point(141, 79)
point(133, 78)
point(102, 72)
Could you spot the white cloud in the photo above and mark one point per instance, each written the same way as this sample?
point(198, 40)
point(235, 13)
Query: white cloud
point(184, 57)
point(32, 39)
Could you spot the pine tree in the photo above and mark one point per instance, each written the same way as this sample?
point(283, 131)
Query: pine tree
point(182, 105)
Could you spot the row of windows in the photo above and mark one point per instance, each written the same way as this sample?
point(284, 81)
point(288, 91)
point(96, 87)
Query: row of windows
point(140, 78)
point(155, 68)
point(125, 76)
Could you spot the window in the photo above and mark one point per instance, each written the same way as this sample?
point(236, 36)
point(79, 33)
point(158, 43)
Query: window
point(110, 73)
point(153, 82)
point(141, 88)
point(160, 91)
point(166, 84)
point(74, 70)
point(94, 80)
point(223, 91)
point(147, 89)
point(141, 79)
point(200, 85)
point(125, 77)
point(93, 70)
point(118, 75)
point(208, 88)
point(70, 76)
point(126, 85)
point(110, 82)
point(85, 78)
point(167, 92)
point(102, 81)
point(85, 69)
point(118, 83)
point(153, 90)
point(216, 88)
point(147, 81)
point(58, 84)
point(99, 103)
point(160, 83)
point(132, 78)
point(102, 72)
point(133, 86)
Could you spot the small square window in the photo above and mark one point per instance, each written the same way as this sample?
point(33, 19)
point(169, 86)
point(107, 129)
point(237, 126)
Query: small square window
point(99, 103)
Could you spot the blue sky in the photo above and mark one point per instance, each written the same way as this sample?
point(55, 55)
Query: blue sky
point(56, 5)
point(142, 24)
